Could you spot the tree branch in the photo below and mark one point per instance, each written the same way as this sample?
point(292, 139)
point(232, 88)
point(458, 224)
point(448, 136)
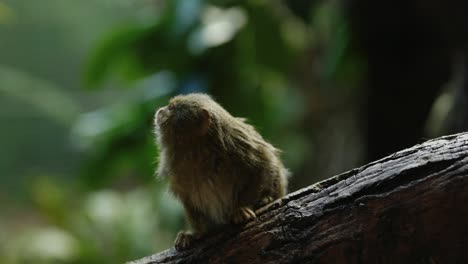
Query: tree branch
point(409, 207)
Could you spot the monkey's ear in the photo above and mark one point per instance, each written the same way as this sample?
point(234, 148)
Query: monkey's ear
point(205, 121)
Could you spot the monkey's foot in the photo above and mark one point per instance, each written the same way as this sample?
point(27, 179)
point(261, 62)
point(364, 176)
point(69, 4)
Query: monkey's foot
point(266, 200)
point(184, 240)
point(242, 215)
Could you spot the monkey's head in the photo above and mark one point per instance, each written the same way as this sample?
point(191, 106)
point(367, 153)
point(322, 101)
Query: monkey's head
point(185, 118)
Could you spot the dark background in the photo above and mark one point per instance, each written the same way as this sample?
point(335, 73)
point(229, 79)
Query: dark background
point(334, 84)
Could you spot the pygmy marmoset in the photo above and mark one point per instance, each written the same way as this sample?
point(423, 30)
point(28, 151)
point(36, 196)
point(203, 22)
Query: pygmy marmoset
point(219, 166)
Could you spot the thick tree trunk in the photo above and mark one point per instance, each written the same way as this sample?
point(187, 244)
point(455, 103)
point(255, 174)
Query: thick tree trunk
point(410, 207)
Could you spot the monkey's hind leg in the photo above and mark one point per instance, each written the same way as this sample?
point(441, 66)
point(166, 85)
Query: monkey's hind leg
point(199, 224)
point(275, 190)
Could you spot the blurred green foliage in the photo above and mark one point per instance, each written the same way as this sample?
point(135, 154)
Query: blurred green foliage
point(108, 207)
point(101, 226)
point(191, 46)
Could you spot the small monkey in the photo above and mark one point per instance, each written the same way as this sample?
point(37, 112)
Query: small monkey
point(218, 166)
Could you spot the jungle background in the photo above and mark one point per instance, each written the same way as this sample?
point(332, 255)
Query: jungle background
point(334, 84)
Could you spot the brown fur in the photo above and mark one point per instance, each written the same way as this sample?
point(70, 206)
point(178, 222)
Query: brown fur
point(218, 165)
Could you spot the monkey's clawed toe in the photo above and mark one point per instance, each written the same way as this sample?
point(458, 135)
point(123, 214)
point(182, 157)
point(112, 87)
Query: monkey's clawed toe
point(243, 215)
point(266, 200)
point(184, 240)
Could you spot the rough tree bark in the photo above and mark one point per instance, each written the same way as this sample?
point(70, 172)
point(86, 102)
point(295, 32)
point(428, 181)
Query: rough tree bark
point(409, 207)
